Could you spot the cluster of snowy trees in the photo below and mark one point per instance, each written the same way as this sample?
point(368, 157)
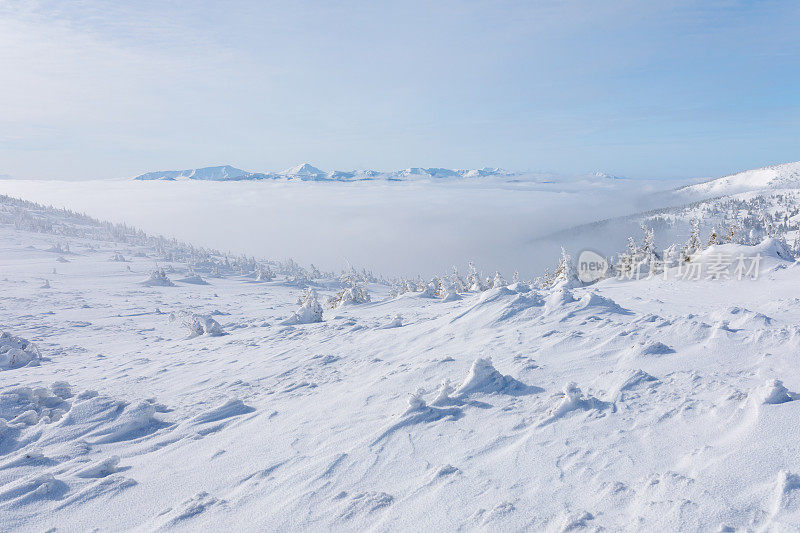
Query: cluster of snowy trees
point(450, 285)
point(745, 222)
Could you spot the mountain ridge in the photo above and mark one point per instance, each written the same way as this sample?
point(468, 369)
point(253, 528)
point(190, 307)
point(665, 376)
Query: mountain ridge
point(308, 172)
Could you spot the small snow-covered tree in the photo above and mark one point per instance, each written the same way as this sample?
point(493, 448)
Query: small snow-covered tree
point(648, 244)
point(728, 235)
point(713, 239)
point(498, 281)
point(474, 281)
point(432, 289)
point(546, 280)
point(310, 309)
point(627, 263)
point(456, 283)
point(564, 272)
point(694, 244)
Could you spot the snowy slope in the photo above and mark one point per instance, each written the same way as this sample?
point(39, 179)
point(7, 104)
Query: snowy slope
point(785, 176)
point(750, 205)
point(657, 405)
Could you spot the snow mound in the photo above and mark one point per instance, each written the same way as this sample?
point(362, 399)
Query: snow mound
point(16, 352)
point(395, 322)
point(136, 420)
point(631, 380)
point(592, 300)
point(419, 412)
point(771, 252)
point(484, 378)
point(772, 247)
point(198, 325)
point(194, 279)
point(230, 408)
point(100, 469)
point(443, 394)
point(558, 298)
point(33, 489)
point(773, 392)
point(647, 349)
point(572, 399)
point(655, 348)
point(744, 318)
point(27, 406)
point(519, 305)
point(158, 278)
point(519, 286)
point(495, 306)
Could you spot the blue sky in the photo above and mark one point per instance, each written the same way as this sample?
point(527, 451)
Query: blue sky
point(652, 89)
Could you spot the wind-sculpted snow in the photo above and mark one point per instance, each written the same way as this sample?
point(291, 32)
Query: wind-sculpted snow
point(572, 399)
point(16, 352)
point(774, 392)
point(230, 408)
point(484, 378)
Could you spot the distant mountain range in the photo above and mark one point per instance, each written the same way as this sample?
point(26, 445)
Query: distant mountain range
point(307, 172)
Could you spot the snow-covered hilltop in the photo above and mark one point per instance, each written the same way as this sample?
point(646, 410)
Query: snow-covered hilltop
point(748, 206)
point(785, 176)
point(307, 172)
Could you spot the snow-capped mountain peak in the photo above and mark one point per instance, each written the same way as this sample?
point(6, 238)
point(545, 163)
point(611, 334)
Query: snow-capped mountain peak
point(218, 173)
point(304, 170)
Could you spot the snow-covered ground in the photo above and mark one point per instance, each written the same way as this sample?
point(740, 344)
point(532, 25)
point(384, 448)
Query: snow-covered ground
point(146, 384)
